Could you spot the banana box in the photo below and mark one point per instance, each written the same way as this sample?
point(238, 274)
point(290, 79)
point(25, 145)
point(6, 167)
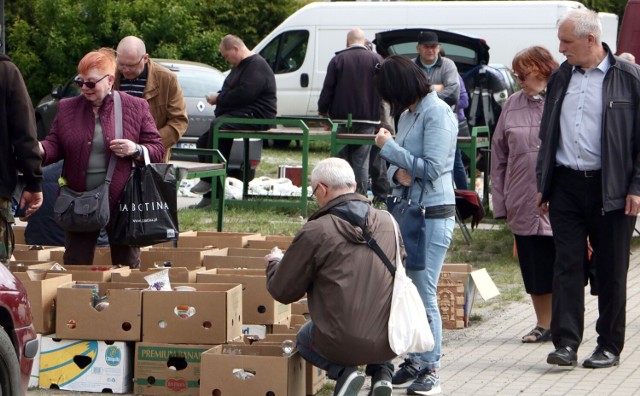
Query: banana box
point(167, 369)
point(34, 378)
point(86, 365)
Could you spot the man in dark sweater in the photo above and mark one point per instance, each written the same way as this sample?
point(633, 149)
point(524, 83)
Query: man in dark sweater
point(18, 152)
point(349, 90)
point(249, 91)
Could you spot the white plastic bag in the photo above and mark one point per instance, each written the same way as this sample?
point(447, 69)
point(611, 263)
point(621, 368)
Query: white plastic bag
point(408, 328)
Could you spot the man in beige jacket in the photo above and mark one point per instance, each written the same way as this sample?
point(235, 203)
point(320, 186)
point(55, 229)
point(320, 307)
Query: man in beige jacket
point(137, 75)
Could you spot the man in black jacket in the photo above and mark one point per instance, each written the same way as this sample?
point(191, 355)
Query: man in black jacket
point(588, 175)
point(249, 91)
point(18, 152)
point(348, 89)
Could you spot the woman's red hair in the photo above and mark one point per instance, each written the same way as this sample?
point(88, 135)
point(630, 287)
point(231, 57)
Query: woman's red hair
point(537, 60)
point(103, 60)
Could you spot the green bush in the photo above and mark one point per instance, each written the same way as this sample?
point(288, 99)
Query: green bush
point(47, 38)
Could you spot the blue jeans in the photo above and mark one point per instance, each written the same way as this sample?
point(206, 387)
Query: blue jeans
point(306, 348)
point(459, 172)
point(439, 233)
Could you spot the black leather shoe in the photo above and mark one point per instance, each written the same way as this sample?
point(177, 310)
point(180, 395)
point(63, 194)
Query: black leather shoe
point(601, 358)
point(563, 356)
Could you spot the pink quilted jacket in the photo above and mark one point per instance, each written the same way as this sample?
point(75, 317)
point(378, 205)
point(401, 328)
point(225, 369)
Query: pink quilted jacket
point(72, 132)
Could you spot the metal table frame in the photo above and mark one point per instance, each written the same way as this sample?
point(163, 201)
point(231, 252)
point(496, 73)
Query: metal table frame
point(299, 130)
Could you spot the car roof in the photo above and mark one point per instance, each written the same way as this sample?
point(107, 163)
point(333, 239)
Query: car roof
point(466, 51)
point(176, 65)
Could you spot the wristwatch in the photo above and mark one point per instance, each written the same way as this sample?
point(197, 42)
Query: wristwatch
point(138, 151)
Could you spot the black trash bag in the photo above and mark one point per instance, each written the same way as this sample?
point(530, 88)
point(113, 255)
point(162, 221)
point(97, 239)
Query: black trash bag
point(147, 213)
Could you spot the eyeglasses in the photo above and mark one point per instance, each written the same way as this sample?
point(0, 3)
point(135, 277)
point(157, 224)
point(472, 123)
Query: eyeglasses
point(315, 189)
point(521, 77)
point(90, 84)
point(121, 66)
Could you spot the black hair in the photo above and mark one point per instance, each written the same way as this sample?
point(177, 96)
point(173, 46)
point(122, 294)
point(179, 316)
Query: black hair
point(401, 82)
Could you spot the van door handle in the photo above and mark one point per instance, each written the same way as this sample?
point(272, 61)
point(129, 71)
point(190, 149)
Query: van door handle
point(304, 80)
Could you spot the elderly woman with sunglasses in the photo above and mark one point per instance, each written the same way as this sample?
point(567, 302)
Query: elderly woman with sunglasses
point(83, 134)
point(514, 150)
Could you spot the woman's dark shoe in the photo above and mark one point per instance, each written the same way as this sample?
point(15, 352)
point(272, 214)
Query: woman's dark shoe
point(538, 334)
point(563, 356)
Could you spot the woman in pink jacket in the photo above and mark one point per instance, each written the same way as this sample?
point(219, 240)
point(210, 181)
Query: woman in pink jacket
point(83, 134)
point(514, 150)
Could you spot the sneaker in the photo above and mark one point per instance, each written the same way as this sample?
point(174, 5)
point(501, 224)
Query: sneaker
point(381, 383)
point(427, 383)
point(407, 373)
point(204, 202)
point(349, 382)
point(201, 188)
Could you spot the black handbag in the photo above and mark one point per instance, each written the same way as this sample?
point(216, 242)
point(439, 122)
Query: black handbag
point(410, 217)
point(88, 211)
point(147, 212)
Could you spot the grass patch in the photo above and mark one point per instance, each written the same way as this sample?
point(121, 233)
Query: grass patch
point(490, 249)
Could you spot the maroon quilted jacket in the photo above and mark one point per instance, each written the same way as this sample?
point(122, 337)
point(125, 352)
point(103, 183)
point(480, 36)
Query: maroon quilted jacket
point(72, 132)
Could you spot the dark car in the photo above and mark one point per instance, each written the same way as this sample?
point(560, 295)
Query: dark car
point(489, 85)
point(196, 81)
point(18, 342)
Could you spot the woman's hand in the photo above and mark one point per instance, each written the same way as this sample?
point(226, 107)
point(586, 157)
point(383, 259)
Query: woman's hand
point(122, 147)
point(403, 177)
point(382, 136)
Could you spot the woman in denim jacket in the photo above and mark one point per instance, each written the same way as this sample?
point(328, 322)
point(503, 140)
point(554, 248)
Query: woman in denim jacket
point(427, 129)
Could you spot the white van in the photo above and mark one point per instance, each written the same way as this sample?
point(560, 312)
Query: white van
point(300, 48)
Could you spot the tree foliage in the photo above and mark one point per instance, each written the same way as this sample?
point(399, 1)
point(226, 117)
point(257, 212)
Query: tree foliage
point(47, 38)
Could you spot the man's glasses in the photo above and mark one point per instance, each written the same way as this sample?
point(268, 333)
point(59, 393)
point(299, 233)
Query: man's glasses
point(90, 84)
point(121, 66)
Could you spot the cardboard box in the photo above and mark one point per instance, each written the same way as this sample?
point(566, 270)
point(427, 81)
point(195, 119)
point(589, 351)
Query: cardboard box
point(34, 378)
point(463, 274)
point(314, 379)
point(211, 262)
point(210, 315)
point(167, 369)
point(258, 307)
point(267, 371)
point(85, 273)
point(24, 252)
point(179, 257)
point(18, 234)
point(269, 243)
point(176, 275)
point(291, 172)
point(247, 252)
point(42, 297)
point(77, 319)
point(199, 239)
point(87, 366)
point(102, 256)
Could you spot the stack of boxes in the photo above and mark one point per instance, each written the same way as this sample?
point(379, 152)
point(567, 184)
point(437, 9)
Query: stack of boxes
point(187, 341)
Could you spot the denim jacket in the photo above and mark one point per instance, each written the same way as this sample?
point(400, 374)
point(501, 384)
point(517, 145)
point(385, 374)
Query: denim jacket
point(428, 132)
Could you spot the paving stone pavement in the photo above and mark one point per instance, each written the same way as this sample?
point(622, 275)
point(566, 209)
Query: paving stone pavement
point(488, 358)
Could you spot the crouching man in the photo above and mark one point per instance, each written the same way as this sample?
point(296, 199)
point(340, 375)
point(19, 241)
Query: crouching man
point(347, 285)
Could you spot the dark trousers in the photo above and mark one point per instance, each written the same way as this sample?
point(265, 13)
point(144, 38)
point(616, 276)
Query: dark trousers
point(224, 145)
point(80, 247)
point(358, 155)
point(576, 212)
point(378, 173)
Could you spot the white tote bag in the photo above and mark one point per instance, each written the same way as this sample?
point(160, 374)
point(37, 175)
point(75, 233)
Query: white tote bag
point(409, 329)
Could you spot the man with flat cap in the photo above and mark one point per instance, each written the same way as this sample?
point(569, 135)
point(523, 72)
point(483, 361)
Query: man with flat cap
point(442, 72)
